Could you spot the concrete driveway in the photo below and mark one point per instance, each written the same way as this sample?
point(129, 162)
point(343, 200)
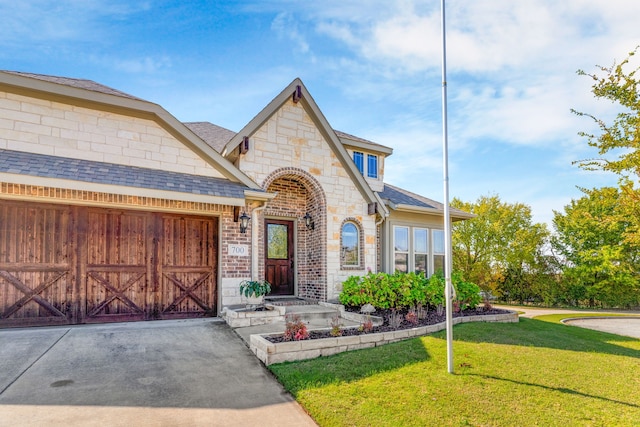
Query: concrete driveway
point(162, 373)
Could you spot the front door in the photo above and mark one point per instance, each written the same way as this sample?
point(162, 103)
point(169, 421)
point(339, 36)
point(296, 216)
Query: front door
point(279, 256)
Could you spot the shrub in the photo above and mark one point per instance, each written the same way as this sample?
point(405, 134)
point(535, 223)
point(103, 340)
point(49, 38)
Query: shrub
point(383, 290)
point(295, 329)
point(400, 290)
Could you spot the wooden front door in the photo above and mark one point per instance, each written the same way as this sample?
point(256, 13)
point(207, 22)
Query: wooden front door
point(279, 256)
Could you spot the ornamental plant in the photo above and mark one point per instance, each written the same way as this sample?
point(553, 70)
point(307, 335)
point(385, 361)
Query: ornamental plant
point(254, 287)
point(295, 329)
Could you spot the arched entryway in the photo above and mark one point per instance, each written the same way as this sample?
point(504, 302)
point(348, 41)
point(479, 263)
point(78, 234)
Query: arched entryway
point(294, 250)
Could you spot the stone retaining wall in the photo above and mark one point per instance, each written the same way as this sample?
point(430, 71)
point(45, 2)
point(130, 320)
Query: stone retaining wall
point(240, 318)
point(270, 353)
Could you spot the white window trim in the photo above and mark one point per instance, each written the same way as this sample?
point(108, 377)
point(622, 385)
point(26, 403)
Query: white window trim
point(411, 248)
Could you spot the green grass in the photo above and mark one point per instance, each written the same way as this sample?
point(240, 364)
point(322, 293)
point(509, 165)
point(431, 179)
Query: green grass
point(535, 372)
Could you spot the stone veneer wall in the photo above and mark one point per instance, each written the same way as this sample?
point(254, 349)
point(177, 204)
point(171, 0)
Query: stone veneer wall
point(290, 139)
point(48, 127)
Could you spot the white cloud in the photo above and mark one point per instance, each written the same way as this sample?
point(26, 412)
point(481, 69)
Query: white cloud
point(287, 27)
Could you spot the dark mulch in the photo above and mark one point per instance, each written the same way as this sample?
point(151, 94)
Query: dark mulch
point(432, 317)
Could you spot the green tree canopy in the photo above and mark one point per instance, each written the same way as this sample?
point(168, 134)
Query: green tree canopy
point(618, 143)
point(601, 266)
point(501, 242)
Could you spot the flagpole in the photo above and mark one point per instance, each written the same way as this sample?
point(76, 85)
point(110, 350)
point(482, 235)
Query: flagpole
point(447, 218)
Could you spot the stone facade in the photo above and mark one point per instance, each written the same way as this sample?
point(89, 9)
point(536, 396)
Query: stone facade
point(290, 141)
point(43, 126)
point(294, 164)
point(64, 130)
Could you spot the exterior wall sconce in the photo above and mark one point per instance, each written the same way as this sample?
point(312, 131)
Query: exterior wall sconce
point(308, 221)
point(244, 222)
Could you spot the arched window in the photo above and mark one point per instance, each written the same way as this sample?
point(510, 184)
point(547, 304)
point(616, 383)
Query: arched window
point(350, 245)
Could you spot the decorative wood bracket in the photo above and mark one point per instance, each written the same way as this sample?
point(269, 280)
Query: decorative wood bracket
point(297, 94)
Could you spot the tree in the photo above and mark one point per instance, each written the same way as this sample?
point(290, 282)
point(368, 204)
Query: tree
point(499, 249)
point(600, 263)
point(618, 144)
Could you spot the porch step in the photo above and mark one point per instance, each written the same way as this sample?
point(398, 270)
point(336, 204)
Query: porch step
point(310, 313)
point(287, 301)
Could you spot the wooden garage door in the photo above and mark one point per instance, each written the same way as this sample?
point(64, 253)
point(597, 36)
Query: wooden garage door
point(83, 265)
point(36, 265)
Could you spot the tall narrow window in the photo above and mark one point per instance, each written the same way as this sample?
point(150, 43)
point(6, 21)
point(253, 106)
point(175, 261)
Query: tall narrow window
point(350, 245)
point(358, 159)
point(401, 248)
point(421, 250)
point(438, 251)
point(372, 166)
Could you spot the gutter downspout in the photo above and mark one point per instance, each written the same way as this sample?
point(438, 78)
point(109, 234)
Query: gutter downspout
point(381, 252)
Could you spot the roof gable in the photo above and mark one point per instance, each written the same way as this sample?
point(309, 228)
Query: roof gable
point(300, 94)
point(96, 96)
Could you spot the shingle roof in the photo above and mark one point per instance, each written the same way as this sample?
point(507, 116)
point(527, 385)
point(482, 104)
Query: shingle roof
point(46, 166)
point(399, 196)
point(341, 134)
point(214, 135)
point(77, 83)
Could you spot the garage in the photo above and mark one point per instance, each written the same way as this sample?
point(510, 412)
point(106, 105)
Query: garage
point(76, 264)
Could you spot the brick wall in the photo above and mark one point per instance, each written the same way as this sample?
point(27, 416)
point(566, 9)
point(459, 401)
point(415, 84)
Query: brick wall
point(297, 194)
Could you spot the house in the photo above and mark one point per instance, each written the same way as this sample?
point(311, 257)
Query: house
point(111, 209)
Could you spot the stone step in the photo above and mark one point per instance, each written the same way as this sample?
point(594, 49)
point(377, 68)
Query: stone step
point(311, 312)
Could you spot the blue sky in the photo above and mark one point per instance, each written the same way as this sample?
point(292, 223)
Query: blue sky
point(373, 67)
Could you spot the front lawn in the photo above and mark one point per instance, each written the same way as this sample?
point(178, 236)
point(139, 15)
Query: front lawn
point(534, 372)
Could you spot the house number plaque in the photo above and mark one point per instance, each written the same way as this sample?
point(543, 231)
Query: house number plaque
point(238, 250)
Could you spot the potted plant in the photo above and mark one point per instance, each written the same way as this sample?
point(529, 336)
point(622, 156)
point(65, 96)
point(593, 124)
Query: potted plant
point(254, 290)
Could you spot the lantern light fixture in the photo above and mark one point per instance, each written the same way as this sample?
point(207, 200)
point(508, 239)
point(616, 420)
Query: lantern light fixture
point(308, 221)
point(244, 222)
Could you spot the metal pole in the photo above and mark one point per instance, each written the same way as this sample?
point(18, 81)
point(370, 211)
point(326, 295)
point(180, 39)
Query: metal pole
point(448, 290)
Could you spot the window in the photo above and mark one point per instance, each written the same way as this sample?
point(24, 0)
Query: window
point(418, 249)
point(421, 250)
point(401, 249)
point(372, 166)
point(358, 159)
point(351, 245)
point(438, 251)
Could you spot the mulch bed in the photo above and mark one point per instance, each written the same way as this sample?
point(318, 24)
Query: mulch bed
point(431, 318)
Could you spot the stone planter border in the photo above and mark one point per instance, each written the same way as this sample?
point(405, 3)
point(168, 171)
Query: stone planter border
point(270, 353)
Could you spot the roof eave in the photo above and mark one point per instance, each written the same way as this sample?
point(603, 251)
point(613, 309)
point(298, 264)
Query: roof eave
point(455, 216)
point(387, 151)
point(80, 185)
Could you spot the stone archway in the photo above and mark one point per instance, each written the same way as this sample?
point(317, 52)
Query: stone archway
point(299, 193)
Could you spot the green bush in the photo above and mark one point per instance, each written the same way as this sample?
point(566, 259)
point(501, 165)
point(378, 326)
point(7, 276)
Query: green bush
point(403, 290)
